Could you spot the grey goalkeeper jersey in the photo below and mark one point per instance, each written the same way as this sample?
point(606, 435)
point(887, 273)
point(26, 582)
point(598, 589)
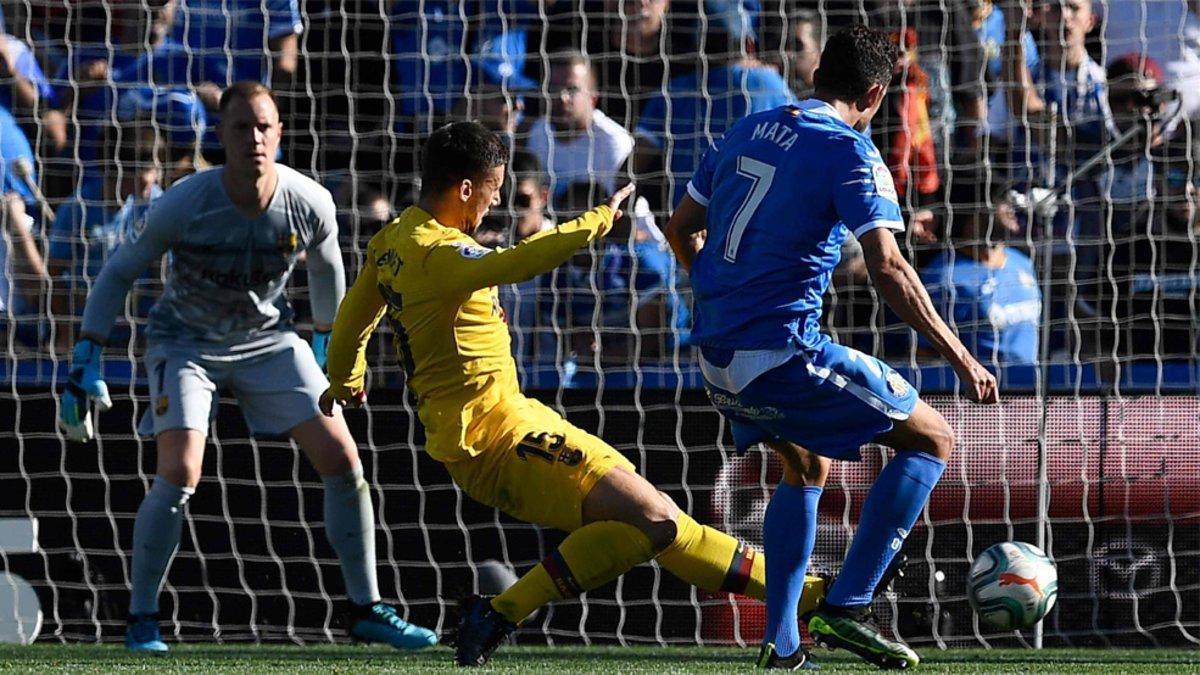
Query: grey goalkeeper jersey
point(226, 275)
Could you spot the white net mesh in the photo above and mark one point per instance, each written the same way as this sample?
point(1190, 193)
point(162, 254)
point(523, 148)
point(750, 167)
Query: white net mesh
point(1093, 453)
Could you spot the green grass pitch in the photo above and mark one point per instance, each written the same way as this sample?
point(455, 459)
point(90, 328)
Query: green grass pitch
point(232, 658)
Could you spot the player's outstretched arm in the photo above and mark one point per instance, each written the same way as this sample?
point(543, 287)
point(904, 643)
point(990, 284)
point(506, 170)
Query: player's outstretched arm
point(469, 268)
point(686, 229)
point(903, 291)
point(149, 240)
point(357, 318)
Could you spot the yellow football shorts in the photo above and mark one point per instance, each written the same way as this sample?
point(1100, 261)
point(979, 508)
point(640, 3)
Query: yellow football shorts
point(533, 465)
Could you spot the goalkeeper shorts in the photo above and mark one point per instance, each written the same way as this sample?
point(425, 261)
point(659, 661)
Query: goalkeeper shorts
point(534, 465)
point(831, 400)
point(277, 387)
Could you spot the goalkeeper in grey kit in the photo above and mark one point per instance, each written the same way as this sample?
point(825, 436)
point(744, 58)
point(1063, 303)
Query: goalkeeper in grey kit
point(234, 234)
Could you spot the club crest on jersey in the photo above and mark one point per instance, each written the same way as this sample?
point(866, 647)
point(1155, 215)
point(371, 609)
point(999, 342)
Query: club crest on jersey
point(884, 184)
point(287, 243)
point(897, 385)
point(471, 251)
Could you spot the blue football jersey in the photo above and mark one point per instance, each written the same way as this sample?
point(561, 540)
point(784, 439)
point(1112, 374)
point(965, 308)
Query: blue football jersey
point(782, 189)
point(996, 312)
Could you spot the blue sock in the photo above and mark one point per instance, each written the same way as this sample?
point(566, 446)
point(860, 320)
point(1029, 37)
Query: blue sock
point(892, 507)
point(789, 534)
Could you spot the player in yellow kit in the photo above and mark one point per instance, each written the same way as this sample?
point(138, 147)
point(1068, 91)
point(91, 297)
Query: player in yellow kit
point(438, 289)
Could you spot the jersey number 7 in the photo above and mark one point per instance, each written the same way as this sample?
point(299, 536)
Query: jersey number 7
point(761, 176)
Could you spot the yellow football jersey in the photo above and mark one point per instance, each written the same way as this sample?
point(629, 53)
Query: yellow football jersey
point(438, 289)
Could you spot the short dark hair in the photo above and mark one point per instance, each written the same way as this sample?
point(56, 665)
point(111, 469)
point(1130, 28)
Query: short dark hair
point(853, 60)
point(459, 151)
point(245, 90)
point(525, 166)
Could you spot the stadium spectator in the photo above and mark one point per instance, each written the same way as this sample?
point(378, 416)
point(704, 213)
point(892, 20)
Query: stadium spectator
point(902, 128)
point(678, 125)
point(984, 288)
point(523, 213)
point(1064, 76)
point(1137, 100)
point(90, 225)
point(494, 107)
point(439, 46)
point(28, 93)
point(530, 196)
point(1168, 32)
point(18, 169)
point(1068, 87)
point(804, 50)
point(1145, 246)
point(140, 73)
point(944, 51)
point(576, 141)
point(634, 50)
point(989, 21)
point(22, 275)
point(1149, 306)
point(251, 39)
point(632, 275)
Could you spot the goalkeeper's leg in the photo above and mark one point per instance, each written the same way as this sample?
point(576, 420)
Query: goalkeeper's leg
point(156, 532)
point(350, 528)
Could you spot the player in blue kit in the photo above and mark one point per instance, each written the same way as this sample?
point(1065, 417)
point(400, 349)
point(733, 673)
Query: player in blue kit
point(760, 231)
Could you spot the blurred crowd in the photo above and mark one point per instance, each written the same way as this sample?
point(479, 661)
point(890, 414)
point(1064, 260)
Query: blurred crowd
point(1042, 150)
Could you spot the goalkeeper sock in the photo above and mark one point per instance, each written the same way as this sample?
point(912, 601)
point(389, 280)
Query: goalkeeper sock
point(893, 505)
point(789, 535)
point(350, 528)
point(588, 558)
point(711, 560)
point(156, 532)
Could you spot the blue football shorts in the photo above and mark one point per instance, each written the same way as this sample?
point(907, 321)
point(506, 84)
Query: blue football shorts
point(831, 400)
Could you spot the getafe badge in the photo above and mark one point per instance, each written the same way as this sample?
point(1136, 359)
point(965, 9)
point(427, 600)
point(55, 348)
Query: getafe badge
point(896, 383)
point(287, 243)
point(160, 406)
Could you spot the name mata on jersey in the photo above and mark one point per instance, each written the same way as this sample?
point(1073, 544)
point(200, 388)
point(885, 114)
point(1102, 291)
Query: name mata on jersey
point(785, 138)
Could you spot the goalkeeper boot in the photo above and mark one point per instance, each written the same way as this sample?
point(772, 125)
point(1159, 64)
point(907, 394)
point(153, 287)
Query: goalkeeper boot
point(142, 635)
point(379, 622)
point(853, 629)
point(481, 629)
point(769, 660)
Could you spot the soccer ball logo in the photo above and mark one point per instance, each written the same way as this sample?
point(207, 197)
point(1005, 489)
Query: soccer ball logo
point(1012, 585)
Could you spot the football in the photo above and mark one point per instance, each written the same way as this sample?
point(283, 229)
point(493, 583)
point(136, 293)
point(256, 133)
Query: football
point(1012, 585)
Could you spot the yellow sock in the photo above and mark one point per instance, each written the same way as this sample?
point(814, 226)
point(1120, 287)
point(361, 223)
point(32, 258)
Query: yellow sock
point(588, 558)
point(711, 560)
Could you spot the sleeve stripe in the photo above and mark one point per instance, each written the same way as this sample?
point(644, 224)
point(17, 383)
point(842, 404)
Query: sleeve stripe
point(695, 194)
point(889, 224)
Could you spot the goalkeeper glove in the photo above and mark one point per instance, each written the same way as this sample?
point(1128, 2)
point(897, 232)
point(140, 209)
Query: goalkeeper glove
point(320, 347)
point(83, 386)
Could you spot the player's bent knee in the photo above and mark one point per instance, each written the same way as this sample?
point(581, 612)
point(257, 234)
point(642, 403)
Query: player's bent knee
point(659, 522)
point(941, 441)
point(661, 533)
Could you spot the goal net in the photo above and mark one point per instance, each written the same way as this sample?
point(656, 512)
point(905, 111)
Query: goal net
point(1044, 162)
